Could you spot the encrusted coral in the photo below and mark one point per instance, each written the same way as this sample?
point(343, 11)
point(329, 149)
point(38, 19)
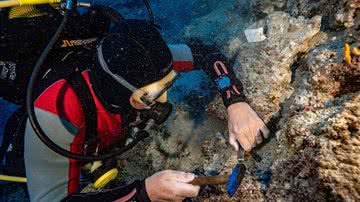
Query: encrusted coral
point(348, 12)
point(296, 178)
point(320, 129)
point(339, 153)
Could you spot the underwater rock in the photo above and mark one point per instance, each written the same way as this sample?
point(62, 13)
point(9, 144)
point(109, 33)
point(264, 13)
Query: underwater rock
point(339, 153)
point(266, 75)
point(296, 179)
point(263, 8)
point(348, 13)
point(217, 108)
point(340, 12)
point(306, 8)
point(318, 155)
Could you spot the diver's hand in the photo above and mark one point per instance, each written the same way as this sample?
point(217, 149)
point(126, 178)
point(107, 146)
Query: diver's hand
point(171, 185)
point(245, 127)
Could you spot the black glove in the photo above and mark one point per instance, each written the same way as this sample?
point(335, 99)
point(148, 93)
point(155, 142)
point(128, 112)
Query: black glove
point(219, 68)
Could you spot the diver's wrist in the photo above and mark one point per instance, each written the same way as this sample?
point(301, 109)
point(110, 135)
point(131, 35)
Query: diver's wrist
point(237, 104)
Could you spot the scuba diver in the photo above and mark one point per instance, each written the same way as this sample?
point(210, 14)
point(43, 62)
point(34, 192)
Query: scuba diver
point(94, 89)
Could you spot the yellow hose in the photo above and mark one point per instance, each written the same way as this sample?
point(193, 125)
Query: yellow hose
point(5, 4)
point(34, 2)
point(27, 11)
point(10, 3)
point(12, 178)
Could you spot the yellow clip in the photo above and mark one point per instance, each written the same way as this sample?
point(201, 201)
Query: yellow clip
point(347, 55)
point(106, 178)
point(356, 51)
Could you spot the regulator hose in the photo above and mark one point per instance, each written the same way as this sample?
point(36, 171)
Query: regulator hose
point(149, 10)
point(30, 102)
point(110, 13)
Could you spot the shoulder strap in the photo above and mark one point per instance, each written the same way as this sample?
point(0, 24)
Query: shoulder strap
point(79, 85)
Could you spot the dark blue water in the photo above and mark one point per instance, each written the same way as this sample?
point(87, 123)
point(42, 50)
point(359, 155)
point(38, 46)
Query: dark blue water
point(193, 91)
point(171, 16)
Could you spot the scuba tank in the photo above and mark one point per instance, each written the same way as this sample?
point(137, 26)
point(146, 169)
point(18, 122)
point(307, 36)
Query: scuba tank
point(23, 38)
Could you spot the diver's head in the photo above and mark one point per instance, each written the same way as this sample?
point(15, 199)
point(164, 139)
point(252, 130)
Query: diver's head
point(133, 66)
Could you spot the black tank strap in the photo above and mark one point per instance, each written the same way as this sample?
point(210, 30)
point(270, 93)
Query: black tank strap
point(79, 85)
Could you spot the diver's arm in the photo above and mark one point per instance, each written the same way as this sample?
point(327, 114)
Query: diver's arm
point(133, 192)
point(167, 185)
point(214, 64)
point(245, 126)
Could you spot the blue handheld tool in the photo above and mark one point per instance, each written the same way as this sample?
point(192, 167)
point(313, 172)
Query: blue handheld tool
point(237, 174)
point(233, 181)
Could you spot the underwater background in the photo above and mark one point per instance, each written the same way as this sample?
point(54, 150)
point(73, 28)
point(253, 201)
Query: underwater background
point(295, 77)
